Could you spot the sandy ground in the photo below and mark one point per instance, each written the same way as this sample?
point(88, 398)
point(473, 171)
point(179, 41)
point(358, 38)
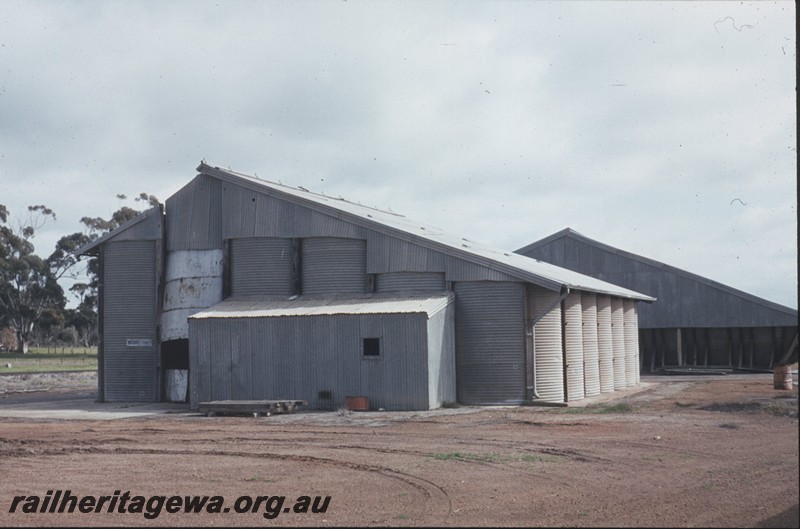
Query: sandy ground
point(691, 451)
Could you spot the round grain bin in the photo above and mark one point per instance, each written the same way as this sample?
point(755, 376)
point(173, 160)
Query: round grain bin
point(410, 282)
point(573, 337)
point(193, 282)
point(591, 354)
point(548, 355)
point(604, 344)
point(262, 266)
point(618, 343)
point(332, 265)
point(490, 342)
point(631, 342)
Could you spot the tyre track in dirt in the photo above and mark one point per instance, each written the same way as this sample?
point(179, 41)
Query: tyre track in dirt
point(431, 492)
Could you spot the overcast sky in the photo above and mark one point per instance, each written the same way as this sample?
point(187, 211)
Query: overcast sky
point(664, 129)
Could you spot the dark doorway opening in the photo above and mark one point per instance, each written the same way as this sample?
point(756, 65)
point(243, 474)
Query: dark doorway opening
point(175, 354)
point(174, 370)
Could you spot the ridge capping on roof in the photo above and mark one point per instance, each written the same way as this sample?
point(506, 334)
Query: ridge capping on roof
point(569, 232)
point(491, 258)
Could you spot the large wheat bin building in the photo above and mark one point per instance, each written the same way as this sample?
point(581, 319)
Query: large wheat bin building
point(264, 291)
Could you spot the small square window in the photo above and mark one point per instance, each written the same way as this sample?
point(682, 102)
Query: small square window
point(372, 346)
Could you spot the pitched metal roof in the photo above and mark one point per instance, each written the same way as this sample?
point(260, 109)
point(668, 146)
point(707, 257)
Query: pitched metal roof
point(570, 233)
point(396, 225)
point(271, 307)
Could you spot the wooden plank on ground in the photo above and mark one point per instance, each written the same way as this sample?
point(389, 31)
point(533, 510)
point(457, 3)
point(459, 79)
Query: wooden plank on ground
point(250, 407)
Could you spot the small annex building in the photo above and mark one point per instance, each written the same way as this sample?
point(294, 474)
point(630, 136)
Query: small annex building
point(265, 291)
point(695, 322)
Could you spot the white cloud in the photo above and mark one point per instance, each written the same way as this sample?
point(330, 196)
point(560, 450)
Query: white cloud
point(635, 123)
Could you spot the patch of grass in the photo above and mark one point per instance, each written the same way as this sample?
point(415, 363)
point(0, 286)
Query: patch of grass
point(729, 425)
point(684, 404)
point(528, 458)
point(622, 407)
point(467, 456)
point(259, 479)
point(772, 408)
point(42, 360)
point(448, 404)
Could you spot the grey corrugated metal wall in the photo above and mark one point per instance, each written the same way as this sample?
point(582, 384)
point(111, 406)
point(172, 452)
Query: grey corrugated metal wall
point(573, 345)
point(262, 266)
point(591, 353)
point(195, 216)
point(548, 352)
point(684, 299)
point(406, 282)
point(605, 344)
point(130, 313)
point(311, 358)
point(390, 254)
point(333, 265)
point(490, 342)
point(207, 211)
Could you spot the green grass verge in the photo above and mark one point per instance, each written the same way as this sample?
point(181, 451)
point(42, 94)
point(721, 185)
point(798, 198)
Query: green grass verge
point(40, 360)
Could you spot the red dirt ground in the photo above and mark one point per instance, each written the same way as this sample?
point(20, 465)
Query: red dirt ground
point(688, 451)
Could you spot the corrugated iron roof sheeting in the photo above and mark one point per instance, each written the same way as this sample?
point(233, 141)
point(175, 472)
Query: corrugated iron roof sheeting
point(323, 306)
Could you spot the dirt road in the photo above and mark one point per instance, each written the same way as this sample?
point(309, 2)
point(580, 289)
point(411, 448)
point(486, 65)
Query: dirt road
point(702, 451)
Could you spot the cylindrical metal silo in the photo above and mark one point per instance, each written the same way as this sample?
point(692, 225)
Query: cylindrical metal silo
point(408, 282)
point(490, 342)
point(618, 342)
point(604, 344)
point(573, 337)
point(631, 342)
point(548, 354)
point(591, 354)
point(262, 266)
point(193, 282)
point(332, 265)
point(634, 322)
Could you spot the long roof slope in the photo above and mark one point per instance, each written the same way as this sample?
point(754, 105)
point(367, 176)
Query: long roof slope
point(572, 234)
point(525, 268)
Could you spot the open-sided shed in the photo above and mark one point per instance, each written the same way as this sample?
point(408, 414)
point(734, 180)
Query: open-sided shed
point(695, 322)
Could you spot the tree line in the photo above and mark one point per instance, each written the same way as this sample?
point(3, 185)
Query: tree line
point(33, 303)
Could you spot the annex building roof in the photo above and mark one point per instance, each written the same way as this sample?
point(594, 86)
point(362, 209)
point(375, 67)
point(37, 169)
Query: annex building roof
point(272, 307)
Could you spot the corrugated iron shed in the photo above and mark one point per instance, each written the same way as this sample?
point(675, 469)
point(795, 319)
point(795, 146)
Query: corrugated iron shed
point(695, 322)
